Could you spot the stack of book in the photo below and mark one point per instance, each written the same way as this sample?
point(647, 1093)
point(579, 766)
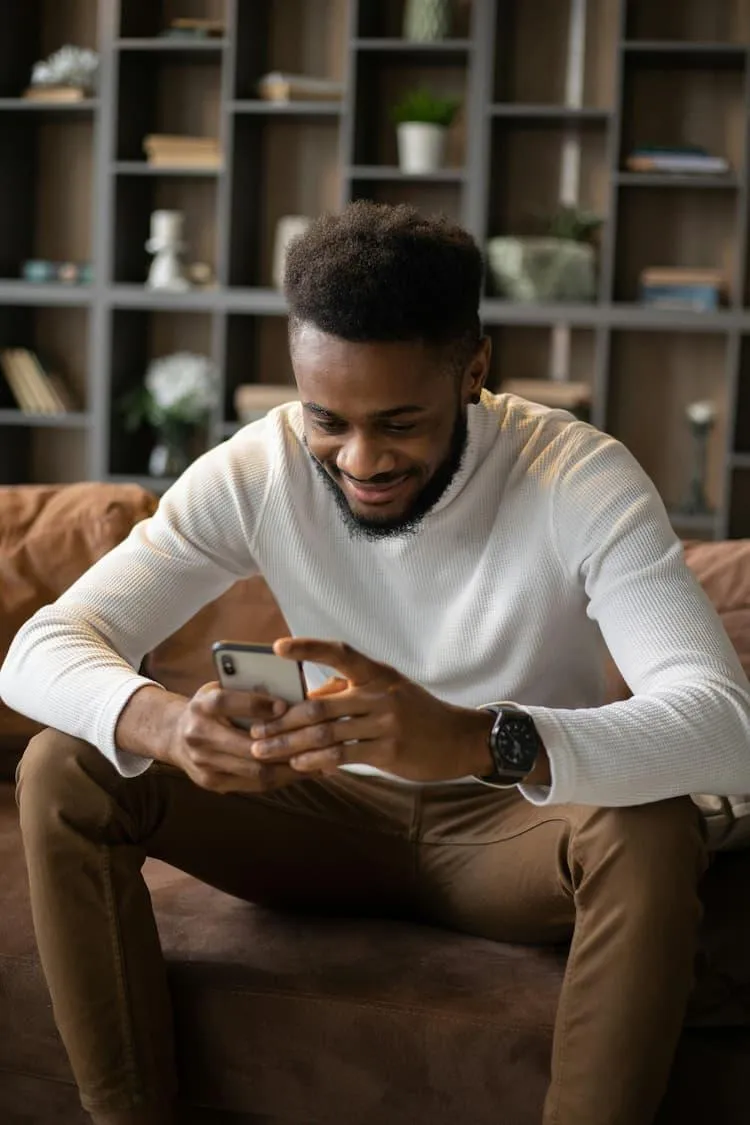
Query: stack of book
point(34, 390)
point(685, 160)
point(183, 27)
point(280, 87)
point(166, 150)
point(693, 290)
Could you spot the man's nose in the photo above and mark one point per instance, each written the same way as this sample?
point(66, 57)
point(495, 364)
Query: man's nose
point(363, 457)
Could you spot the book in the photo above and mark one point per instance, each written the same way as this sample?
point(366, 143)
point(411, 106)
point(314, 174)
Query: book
point(682, 275)
point(34, 390)
point(57, 94)
point(170, 151)
point(678, 163)
point(200, 26)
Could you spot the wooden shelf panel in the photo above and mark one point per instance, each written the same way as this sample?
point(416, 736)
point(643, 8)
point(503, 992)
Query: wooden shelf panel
point(684, 52)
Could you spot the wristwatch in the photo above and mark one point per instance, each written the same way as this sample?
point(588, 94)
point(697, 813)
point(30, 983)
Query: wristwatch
point(514, 745)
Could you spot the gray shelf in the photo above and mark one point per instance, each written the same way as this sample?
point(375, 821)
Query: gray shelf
point(74, 420)
point(157, 485)
point(740, 461)
point(139, 297)
point(141, 168)
point(673, 180)
point(28, 105)
point(176, 46)
point(385, 172)
point(496, 311)
point(261, 108)
point(413, 47)
point(28, 293)
point(545, 113)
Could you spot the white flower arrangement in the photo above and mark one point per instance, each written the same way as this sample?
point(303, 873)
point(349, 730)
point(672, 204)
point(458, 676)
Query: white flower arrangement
point(70, 66)
point(178, 389)
point(702, 413)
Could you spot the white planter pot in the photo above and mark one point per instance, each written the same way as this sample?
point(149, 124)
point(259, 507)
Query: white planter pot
point(421, 147)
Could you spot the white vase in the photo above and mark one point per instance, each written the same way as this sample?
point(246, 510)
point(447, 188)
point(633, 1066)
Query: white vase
point(427, 20)
point(166, 245)
point(421, 147)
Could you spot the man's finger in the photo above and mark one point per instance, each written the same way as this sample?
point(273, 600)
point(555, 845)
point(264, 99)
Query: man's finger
point(358, 668)
point(313, 712)
point(231, 704)
point(282, 747)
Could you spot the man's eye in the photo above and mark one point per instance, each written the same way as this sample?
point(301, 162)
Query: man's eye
point(329, 425)
point(394, 428)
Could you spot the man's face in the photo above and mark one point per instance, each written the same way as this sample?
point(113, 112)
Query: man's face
point(385, 424)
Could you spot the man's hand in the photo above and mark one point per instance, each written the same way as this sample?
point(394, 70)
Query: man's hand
point(374, 716)
point(198, 736)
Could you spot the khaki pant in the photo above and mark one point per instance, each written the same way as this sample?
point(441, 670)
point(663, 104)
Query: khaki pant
point(621, 881)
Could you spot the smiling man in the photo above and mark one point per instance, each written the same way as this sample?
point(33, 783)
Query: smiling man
point(454, 558)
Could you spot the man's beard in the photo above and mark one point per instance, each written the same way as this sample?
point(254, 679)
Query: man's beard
point(360, 526)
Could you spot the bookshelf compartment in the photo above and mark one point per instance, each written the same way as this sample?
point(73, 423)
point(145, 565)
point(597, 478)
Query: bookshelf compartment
point(136, 197)
point(721, 21)
point(300, 37)
point(46, 190)
point(545, 80)
point(384, 19)
point(166, 94)
point(257, 352)
point(670, 106)
point(382, 81)
point(429, 197)
point(685, 227)
point(147, 18)
point(741, 436)
point(552, 358)
point(33, 30)
point(527, 162)
point(60, 339)
point(138, 336)
point(299, 175)
point(654, 376)
point(739, 507)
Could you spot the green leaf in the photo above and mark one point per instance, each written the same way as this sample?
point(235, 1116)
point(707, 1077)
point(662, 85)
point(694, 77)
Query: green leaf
point(425, 107)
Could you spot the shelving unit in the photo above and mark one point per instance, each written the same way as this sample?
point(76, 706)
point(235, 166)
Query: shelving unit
point(77, 185)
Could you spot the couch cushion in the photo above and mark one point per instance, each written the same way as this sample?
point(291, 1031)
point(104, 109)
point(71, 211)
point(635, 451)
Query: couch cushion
point(49, 535)
point(278, 1013)
point(246, 612)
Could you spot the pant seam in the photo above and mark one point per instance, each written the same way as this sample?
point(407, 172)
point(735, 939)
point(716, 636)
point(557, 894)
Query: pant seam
point(126, 1022)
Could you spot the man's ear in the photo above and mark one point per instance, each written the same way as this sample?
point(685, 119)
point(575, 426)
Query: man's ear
point(476, 373)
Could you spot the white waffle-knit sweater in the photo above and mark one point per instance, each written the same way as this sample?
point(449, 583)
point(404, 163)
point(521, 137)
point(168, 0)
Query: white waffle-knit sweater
point(549, 538)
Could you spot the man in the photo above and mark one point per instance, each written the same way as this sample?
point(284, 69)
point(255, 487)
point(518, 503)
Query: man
point(466, 553)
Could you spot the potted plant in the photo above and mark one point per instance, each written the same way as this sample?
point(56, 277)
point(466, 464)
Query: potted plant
point(176, 399)
point(422, 120)
point(557, 262)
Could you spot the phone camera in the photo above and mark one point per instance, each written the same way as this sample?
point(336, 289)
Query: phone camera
point(227, 665)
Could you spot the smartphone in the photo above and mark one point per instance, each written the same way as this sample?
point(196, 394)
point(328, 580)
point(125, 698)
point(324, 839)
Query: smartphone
point(247, 667)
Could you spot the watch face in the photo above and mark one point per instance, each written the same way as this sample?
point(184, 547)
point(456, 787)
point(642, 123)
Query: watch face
point(515, 742)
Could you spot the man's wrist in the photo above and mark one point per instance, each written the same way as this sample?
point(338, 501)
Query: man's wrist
point(476, 743)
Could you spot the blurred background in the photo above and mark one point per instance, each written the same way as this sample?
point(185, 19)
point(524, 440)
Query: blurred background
point(157, 155)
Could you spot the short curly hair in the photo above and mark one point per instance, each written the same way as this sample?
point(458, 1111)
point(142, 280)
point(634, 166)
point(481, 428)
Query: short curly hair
point(376, 272)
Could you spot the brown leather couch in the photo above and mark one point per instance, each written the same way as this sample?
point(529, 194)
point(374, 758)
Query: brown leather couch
point(325, 1021)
